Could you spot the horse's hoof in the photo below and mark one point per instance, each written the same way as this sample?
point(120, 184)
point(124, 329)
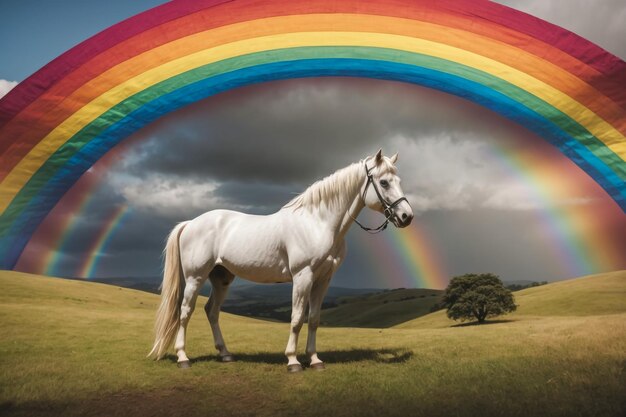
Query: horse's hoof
point(184, 364)
point(294, 368)
point(318, 366)
point(227, 358)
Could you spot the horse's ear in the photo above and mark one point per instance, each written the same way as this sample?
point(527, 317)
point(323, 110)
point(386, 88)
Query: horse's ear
point(379, 156)
point(394, 158)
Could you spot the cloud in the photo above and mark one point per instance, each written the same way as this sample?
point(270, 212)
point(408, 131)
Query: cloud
point(458, 172)
point(253, 149)
point(468, 172)
point(296, 131)
point(185, 198)
point(165, 196)
point(6, 86)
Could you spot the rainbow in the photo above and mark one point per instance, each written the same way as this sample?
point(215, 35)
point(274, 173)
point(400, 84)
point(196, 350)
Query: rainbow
point(50, 261)
point(567, 249)
point(96, 250)
point(415, 249)
point(404, 257)
point(45, 249)
point(563, 223)
point(64, 118)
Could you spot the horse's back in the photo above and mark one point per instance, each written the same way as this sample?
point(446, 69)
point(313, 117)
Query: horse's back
point(249, 246)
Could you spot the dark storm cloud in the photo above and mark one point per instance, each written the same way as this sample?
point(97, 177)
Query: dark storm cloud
point(273, 137)
point(256, 198)
point(252, 149)
point(294, 133)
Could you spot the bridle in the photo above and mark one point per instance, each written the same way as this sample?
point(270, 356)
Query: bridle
point(387, 207)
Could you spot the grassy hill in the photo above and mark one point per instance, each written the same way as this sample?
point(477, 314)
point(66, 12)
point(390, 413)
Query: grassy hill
point(382, 309)
point(596, 295)
point(71, 348)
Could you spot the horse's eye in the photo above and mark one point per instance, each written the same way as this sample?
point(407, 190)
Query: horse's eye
point(384, 184)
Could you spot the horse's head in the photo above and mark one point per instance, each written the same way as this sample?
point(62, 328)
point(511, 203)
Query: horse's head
point(382, 190)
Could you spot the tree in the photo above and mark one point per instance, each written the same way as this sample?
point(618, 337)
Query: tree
point(478, 296)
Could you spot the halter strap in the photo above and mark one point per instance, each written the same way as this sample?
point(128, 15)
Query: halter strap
point(387, 208)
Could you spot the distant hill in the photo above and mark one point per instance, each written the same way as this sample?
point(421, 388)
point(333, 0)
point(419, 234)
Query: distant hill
point(280, 293)
point(273, 301)
point(520, 282)
point(355, 307)
point(147, 284)
point(376, 308)
point(593, 295)
point(267, 301)
point(382, 309)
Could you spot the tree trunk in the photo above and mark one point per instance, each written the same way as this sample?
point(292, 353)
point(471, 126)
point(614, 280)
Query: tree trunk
point(481, 314)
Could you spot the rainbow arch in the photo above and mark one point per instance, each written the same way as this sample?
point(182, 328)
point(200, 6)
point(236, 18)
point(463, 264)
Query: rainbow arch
point(62, 119)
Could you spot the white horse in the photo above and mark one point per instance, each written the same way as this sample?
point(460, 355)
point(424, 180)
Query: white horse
point(304, 242)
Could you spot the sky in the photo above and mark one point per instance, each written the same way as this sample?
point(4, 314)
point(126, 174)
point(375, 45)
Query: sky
point(253, 148)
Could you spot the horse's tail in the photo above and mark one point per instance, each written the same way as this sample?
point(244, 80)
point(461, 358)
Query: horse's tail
point(168, 314)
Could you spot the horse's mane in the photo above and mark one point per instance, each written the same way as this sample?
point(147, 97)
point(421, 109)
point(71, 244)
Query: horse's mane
point(337, 188)
point(334, 190)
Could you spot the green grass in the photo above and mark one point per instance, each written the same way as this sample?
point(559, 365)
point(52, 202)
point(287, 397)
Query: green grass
point(595, 295)
point(77, 348)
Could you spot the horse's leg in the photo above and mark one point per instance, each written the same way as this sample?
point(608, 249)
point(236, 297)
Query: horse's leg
point(221, 278)
point(192, 287)
point(315, 307)
point(302, 283)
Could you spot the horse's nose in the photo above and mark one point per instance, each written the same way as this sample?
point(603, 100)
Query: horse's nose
point(406, 219)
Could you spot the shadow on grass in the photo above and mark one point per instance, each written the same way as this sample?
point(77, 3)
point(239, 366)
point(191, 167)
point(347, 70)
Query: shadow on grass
point(485, 323)
point(333, 356)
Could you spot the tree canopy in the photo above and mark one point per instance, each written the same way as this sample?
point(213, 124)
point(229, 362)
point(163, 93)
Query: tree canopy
point(477, 296)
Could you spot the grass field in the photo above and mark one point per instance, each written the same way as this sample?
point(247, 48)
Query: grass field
point(77, 348)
